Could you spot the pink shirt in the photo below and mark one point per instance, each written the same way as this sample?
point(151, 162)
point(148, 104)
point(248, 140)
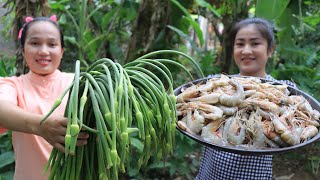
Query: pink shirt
point(35, 94)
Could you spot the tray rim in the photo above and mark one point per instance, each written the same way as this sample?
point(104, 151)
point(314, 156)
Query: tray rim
point(243, 151)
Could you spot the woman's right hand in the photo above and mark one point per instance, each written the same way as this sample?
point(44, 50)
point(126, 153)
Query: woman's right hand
point(54, 130)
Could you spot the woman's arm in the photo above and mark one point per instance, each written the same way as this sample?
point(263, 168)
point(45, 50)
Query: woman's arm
point(52, 130)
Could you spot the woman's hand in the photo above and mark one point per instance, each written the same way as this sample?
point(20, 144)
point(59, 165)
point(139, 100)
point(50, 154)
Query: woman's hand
point(54, 130)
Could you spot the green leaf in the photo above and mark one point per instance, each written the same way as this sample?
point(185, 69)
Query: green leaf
point(184, 10)
point(71, 40)
point(185, 36)
point(312, 20)
point(6, 159)
point(270, 9)
point(136, 143)
point(3, 72)
point(107, 18)
point(95, 40)
point(57, 5)
point(205, 4)
point(191, 21)
point(197, 29)
point(7, 175)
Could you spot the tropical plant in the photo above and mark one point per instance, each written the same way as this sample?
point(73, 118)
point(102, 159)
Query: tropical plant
point(122, 30)
point(22, 9)
point(7, 161)
point(6, 157)
point(98, 29)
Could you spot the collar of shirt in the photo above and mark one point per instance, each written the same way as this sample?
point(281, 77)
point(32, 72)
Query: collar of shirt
point(38, 79)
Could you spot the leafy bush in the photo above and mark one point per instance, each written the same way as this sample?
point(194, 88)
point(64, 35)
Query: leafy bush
point(7, 68)
point(6, 157)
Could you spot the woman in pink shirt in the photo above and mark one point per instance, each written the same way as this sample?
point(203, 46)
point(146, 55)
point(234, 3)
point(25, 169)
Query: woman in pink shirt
point(26, 99)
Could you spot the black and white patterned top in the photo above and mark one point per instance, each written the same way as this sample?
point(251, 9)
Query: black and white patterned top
point(220, 165)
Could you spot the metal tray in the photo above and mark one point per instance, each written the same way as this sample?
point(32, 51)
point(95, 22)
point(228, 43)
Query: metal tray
point(246, 151)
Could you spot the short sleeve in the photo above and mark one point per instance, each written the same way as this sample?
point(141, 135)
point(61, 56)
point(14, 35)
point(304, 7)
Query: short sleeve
point(8, 90)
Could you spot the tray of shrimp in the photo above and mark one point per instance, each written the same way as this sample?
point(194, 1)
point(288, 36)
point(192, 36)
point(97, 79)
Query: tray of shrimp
point(247, 115)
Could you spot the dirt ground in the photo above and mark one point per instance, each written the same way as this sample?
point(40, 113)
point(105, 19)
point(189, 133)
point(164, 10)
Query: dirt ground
point(288, 170)
point(296, 165)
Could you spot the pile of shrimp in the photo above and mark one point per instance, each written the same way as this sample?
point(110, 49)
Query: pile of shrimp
point(246, 112)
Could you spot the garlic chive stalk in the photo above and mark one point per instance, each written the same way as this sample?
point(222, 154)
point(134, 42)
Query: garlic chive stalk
point(115, 104)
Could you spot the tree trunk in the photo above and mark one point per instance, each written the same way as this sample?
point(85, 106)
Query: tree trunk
point(234, 14)
point(22, 9)
point(151, 20)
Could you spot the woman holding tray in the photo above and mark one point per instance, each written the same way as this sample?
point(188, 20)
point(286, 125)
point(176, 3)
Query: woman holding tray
point(253, 43)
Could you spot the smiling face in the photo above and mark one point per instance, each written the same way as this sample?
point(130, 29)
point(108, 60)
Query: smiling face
point(251, 51)
point(42, 49)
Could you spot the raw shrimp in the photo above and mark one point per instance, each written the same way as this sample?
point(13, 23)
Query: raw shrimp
point(234, 131)
point(312, 122)
point(308, 132)
point(301, 115)
point(210, 134)
point(276, 138)
point(253, 121)
point(287, 135)
point(268, 130)
point(228, 110)
point(210, 108)
point(213, 83)
point(272, 97)
point(248, 93)
point(315, 114)
point(179, 113)
point(250, 86)
point(233, 100)
point(263, 113)
point(248, 80)
point(263, 104)
point(217, 115)
point(266, 85)
point(258, 136)
point(188, 94)
point(209, 98)
point(305, 106)
point(283, 88)
point(180, 109)
point(258, 95)
point(195, 122)
point(182, 125)
point(246, 113)
point(295, 99)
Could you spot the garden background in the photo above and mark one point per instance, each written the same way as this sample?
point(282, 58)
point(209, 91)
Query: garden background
point(125, 29)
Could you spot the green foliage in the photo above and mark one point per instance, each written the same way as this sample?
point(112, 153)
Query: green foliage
point(93, 27)
point(7, 66)
point(182, 163)
point(190, 21)
point(314, 164)
point(3, 72)
point(297, 59)
point(6, 157)
point(270, 9)
point(7, 161)
point(206, 58)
